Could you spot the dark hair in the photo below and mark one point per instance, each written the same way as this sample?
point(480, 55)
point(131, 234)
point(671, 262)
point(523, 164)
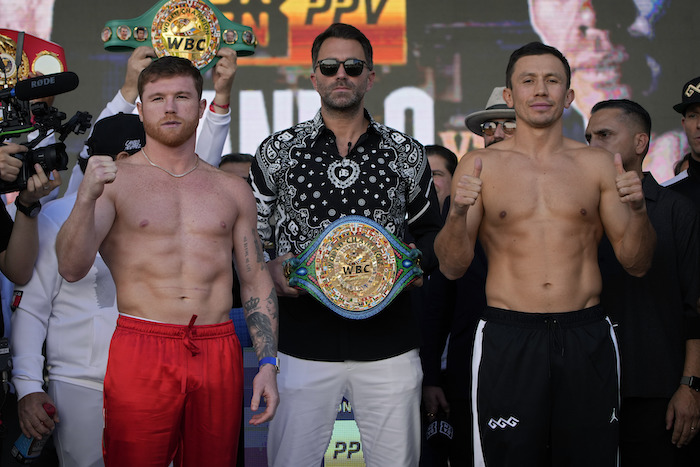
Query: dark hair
point(236, 157)
point(342, 31)
point(677, 167)
point(168, 67)
point(535, 48)
point(630, 109)
point(449, 156)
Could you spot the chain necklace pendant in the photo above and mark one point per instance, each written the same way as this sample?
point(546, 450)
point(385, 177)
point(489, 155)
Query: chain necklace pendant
point(196, 164)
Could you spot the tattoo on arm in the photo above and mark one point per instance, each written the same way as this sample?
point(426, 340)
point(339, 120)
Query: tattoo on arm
point(258, 250)
point(246, 253)
point(260, 324)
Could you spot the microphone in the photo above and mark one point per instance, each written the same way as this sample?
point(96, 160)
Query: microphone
point(42, 86)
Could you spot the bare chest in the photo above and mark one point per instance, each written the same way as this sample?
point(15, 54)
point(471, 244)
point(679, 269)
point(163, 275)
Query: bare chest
point(525, 193)
point(166, 206)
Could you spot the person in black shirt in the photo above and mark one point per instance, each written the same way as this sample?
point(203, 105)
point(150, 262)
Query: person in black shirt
point(343, 163)
point(658, 323)
point(688, 181)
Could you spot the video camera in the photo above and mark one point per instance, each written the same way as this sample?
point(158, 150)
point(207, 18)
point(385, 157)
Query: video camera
point(19, 115)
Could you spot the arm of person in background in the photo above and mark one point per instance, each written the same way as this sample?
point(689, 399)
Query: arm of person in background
point(30, 323)
point(683, 410)
point(216, 123)
point(435, 327)
point(124, 101)
point(423, 210)
point(259, 303)
point(17, 261)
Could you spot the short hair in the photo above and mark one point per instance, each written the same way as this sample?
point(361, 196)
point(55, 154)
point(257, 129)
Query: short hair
point(169, 67)
point(449, 156)
point(236, 158)
point(677, 167)
point(630, 109)
point(535, 48)
point(342, 31)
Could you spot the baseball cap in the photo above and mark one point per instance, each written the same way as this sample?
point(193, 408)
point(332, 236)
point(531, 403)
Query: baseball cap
point(690, 94)
point(117, 133)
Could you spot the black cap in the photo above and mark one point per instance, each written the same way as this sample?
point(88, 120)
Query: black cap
point(690, 94)
point(117, 133)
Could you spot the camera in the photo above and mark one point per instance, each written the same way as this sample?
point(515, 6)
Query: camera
point(19, 115)
point(49, 157)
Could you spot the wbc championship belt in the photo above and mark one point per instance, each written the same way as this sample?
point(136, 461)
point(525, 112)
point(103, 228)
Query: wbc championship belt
point(22, 54)
point(192, 29)
point(355, 267)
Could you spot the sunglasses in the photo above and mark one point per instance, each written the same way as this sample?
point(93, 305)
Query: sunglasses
point(353, 66)
point(489, 128)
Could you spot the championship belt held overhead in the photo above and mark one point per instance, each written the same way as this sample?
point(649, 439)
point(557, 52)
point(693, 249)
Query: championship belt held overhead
point(192, 29)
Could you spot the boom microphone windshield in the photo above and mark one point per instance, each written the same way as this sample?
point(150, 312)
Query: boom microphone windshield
point(42, 86)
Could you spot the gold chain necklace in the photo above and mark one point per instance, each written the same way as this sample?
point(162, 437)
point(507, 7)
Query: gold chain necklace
point(196, 164)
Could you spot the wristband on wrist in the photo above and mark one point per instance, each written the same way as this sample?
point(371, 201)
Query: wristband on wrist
point(214, 104)
point(272, 361)
point(30, 211)
point(692, 381)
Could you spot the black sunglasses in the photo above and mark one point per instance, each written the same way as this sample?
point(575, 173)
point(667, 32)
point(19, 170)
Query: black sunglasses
point(353, 66)
point(489, 128)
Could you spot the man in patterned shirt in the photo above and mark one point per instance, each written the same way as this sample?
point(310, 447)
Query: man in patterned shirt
point(343, 163)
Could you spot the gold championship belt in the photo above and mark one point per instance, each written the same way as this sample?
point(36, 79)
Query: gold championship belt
point(355, 267)
point(22, 54)
point(191, 29)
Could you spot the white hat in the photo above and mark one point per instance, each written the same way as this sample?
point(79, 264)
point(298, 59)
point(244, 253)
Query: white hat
point(496, 107)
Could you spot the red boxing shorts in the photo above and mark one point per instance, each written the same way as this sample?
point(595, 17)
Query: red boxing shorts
point(172, 392)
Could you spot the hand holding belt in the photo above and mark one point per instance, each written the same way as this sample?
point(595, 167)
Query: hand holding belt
point(355, 267)
point(192, 29)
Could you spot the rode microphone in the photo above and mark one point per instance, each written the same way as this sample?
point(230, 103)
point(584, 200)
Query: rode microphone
point(42, 86)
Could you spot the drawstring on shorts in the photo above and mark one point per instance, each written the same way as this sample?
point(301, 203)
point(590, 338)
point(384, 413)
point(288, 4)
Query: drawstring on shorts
point(187, 337)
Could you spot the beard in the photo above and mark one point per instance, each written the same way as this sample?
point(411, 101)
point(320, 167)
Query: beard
point(350, 100)
point(171, 137)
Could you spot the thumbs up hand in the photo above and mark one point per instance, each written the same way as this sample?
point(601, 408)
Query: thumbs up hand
point(629, 186)
point(468, 189)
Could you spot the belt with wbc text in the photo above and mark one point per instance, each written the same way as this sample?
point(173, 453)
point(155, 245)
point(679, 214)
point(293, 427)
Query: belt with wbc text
point(355, 267)
point(192, 29)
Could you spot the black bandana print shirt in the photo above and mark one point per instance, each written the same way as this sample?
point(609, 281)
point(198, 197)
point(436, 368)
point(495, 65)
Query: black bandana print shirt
point(302, 184)
point(299, 178)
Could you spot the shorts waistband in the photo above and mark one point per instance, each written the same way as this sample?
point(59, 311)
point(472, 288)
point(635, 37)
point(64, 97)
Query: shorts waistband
point(204, 331)
point(568, 319)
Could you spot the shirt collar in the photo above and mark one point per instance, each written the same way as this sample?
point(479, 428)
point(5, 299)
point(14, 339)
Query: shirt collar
point(319, 127)
point(650, 187)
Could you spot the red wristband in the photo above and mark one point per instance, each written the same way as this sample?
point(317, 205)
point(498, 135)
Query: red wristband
point(214, 104)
